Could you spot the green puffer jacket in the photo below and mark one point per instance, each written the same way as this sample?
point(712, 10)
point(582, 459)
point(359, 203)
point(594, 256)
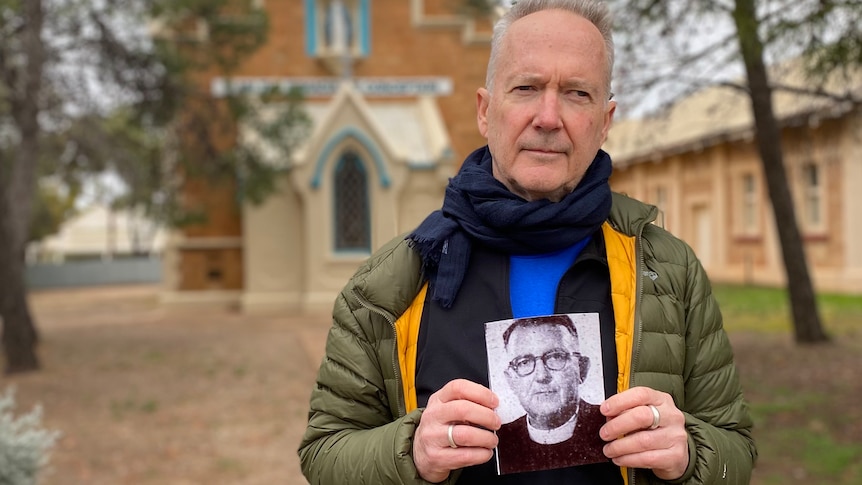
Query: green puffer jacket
point(669, 337)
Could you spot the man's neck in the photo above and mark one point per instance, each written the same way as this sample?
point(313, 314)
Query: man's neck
point(554, 435)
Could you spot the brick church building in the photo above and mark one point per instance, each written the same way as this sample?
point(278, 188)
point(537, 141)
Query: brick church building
point(390, 88)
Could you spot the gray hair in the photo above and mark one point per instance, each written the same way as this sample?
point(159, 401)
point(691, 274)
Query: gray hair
point(593, 10)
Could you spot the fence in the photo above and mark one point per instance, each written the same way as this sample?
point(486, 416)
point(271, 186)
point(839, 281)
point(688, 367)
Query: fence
point(94, 273)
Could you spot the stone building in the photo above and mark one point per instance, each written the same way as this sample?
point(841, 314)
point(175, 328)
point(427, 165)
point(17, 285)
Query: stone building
point(699, 164)
point(390, 87)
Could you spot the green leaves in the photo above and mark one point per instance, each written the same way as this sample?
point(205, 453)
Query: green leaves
point(126, 89)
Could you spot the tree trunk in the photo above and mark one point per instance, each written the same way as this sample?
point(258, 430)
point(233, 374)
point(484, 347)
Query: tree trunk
point(19, 333)
point(803, 303)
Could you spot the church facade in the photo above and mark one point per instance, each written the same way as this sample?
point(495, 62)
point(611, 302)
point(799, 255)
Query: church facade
point(390, 88)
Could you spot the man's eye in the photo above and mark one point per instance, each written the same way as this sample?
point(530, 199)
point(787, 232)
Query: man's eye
point(523, 88)
point(580, 94)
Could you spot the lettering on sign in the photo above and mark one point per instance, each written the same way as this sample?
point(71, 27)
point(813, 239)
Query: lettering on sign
point(326, 87)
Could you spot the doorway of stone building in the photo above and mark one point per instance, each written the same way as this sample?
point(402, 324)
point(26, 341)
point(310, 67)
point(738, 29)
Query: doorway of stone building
point(703, 236)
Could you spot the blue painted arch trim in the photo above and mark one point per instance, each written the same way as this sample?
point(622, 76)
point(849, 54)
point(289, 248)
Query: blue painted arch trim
point(365, 141)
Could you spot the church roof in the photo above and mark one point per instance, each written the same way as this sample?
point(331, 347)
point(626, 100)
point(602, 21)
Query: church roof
point(407, 129)
point(412, 129)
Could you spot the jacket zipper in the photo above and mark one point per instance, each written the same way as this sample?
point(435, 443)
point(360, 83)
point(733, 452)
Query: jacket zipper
point(402, 406)
point(638, 330)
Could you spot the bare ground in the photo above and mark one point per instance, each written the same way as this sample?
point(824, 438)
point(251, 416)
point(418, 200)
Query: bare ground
point(148, 396)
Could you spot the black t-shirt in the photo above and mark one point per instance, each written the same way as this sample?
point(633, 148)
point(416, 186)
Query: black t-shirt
point(451, 344)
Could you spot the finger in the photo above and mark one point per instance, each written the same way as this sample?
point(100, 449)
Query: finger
point(463, 401)
point(468, 413)
point(458, 402)
point(630, 421)
point(468, 405)
point(645, 459)
point(469, 391)
point(446, 458)
point(434, 457)
point(664, 450)
point(466, 436)
point(632, 398)
point(637, 442)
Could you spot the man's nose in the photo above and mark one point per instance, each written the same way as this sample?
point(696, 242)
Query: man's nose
point(547, 116)
point(543, 374)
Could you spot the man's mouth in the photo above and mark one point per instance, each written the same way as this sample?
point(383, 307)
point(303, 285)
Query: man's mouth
point(545, 151)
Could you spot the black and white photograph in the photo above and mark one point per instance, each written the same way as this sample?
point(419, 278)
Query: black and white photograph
point(547, 372)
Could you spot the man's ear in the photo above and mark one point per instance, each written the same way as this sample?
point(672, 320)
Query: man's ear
point(584, 364)
point(483, 98)
point(609, 119)
point(511, 378)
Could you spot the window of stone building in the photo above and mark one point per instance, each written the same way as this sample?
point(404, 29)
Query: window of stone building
point(812, 196)
point(352, 212)
point(337, 31)
point(748, 208)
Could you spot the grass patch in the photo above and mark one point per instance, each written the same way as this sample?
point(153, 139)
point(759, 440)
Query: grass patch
point(761, 309)
point(825, 457)
point(813, 457)
point(753, 308)
point(784, 401)
point(801, 398)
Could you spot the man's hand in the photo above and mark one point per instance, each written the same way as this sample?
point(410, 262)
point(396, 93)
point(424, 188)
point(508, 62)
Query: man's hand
point(470, 408)
point(632, 443)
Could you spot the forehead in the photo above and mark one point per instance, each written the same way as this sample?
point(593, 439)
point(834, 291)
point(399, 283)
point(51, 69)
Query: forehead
point(541, 337)
point(554, 42)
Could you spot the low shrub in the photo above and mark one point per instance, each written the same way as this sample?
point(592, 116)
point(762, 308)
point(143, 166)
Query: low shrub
point(24, 444)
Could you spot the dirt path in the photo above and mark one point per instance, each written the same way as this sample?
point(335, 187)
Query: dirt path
point(148, 396)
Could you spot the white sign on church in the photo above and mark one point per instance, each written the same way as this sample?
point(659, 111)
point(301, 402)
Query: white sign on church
point(316, 87)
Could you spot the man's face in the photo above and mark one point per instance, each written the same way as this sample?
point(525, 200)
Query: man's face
point(544, 391)
point(549, 112)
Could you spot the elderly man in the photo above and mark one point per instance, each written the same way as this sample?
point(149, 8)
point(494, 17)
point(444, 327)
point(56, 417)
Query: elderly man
point(528, 227)
point(546, 371)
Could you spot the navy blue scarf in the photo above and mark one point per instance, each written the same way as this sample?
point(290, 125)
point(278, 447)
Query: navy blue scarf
point(478, 208)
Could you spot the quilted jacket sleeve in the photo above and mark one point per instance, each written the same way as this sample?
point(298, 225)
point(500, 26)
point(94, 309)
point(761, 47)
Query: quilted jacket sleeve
point(355, 431)
point(719, 425)
point(352, 435)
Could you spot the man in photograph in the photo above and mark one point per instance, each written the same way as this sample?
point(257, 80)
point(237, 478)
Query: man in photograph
point(545, 372)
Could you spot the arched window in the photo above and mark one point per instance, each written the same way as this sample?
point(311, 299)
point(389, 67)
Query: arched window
point(352, 212)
